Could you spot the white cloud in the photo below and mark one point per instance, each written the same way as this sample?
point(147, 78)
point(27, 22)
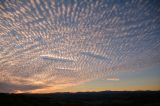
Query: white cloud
point(113, 79)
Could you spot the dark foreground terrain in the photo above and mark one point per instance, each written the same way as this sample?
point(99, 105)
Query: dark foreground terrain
point(105, 98)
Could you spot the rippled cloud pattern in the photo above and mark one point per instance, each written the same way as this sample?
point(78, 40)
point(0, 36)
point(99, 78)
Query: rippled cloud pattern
point(47, 45)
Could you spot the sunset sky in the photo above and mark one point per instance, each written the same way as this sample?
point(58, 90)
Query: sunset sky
point(79, 45)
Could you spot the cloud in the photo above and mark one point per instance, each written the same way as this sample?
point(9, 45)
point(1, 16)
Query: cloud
point(59, 44)
point(65, 69)
point(113, 79)
point(96, 56)
point(56, 59)
point(10, 88)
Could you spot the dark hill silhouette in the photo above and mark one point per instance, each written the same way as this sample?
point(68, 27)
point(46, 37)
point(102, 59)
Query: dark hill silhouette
point(103, 98)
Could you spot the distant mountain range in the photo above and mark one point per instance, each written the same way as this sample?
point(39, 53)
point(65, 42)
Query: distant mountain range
point(103, 98)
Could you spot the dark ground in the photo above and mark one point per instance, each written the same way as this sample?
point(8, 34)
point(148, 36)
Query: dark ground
point(105, 98)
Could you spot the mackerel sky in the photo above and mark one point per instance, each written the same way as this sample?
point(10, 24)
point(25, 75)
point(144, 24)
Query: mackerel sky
point(75, 45)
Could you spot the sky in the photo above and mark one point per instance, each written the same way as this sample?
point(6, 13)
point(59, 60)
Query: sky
point(79, 45)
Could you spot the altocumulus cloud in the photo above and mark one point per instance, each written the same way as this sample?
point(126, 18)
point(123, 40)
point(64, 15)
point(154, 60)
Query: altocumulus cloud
point(49, 45)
